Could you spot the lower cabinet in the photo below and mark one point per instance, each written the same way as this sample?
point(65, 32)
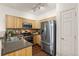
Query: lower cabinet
point(37, 39)
point(23, 52)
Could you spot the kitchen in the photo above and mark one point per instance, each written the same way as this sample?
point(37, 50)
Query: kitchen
point(39, 29)
point(23, 35)
point(18, 29)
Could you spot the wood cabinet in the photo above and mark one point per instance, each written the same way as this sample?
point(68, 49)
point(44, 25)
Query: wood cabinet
point(10, 21)
point(29, 51)
point(13, 21)
point(16, 22)
point(19, 22)
point(37, 39)
point(36, 24)
point(23, 52)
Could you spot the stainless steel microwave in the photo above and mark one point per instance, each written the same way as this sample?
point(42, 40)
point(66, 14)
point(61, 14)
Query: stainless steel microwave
point(27, 25)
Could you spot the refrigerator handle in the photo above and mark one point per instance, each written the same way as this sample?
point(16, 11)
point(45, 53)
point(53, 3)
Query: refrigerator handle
point(42, 31)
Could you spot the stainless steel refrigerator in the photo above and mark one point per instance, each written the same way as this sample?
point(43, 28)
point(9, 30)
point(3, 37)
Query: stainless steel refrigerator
point(48, 35)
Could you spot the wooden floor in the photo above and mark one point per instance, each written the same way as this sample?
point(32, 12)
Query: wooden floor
point(37, 51)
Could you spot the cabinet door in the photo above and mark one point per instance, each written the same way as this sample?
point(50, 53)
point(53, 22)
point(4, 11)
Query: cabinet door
point(37, 39)
point(19, 22)
point(23, 52)
point(29, 51)
point(27, 21)
point(37, 24)
point(10, 21)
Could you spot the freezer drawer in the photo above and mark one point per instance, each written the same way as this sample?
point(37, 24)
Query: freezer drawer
point(45, 47)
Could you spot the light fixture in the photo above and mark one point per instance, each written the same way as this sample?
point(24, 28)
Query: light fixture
point(39, 6)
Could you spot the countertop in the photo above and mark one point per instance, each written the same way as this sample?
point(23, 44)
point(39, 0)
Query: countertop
point(14, 46)
point(1, 37)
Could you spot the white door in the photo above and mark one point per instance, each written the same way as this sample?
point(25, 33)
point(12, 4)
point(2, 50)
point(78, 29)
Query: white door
point(68, 19)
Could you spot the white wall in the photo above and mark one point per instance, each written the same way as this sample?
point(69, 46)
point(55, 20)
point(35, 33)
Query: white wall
point(59, 8)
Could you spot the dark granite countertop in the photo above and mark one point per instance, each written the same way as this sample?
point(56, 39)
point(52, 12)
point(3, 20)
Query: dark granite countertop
point(14, 46)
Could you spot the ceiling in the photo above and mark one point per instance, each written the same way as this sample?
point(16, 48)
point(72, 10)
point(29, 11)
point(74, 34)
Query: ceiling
point(28, 7)
point(20, 6)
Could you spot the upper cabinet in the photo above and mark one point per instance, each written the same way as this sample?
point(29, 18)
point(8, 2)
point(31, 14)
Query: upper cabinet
point(13, 22)
point(17, 22)
point(10, 21)
point(36, 24)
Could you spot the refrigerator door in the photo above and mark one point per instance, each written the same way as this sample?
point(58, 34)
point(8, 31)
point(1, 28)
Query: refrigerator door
point(45, 32)
point(51, 27)
point(43, 28)
point(52, 37)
